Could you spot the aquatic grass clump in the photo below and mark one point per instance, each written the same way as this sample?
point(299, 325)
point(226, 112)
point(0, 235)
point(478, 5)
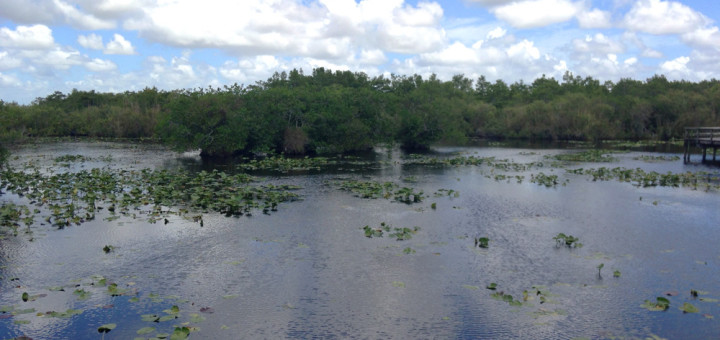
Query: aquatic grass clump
point(387, 190)
point(285, 164)
point(590, 156)
point(648, 158)
point(641, 178)
point(71, 158)
point(400, 234)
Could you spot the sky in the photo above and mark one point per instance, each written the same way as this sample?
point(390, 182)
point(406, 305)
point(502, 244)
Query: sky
point(128, 45)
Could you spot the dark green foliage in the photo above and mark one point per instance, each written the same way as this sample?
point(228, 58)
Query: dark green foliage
point(342, 111)
point(4, 154)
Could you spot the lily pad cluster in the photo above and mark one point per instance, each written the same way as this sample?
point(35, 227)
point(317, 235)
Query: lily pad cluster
point(400, 234)
point(75, 197)
point(641, 178)
point(387, 190)
point(285, 164)
point(592, 155)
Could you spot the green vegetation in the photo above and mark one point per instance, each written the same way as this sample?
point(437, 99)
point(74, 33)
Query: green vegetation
point(68, 198)
point(400, 234)
point(4, 155)
point(592, 155)
point(568, 241)
point(482, 242)
point(341, 111)
point(374, 190)
point(661, 304)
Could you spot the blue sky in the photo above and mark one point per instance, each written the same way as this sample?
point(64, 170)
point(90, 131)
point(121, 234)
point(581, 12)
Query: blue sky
point(120, 45)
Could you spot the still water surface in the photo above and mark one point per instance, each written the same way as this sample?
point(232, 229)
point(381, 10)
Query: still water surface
point(308, 271)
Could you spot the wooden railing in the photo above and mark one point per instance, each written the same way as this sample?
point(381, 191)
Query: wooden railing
point(702, 137)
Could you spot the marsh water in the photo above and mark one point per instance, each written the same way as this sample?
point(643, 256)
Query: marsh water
point(308, 270)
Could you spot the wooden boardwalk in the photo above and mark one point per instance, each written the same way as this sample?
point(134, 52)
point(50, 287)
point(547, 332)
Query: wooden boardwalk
point(704, 138)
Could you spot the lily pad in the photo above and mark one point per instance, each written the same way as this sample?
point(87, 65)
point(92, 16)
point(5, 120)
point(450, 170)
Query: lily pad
point(145, 330)
point(660, 305)
point(167, 318)
point(195, 318)
point(688, 308)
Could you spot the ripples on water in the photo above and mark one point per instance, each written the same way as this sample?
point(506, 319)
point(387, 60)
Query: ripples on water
point(307, 271)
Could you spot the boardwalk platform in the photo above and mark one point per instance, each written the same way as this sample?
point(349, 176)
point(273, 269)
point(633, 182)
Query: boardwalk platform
point(703, 138)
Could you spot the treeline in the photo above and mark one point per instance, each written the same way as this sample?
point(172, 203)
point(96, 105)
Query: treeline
point(343, 111)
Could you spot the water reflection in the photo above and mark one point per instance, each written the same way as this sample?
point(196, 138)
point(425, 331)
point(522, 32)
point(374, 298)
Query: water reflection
point(308, 271)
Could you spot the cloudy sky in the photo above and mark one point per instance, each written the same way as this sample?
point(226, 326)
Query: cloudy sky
point(119, 45)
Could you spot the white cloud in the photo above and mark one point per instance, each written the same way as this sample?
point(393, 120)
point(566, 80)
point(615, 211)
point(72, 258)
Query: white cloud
point(594, 19)
point(113, 9)
point(119, 46)
point(245, 69)
point(492, 3)
point(651, 53)
point(58, 58)
point(7, 80)
point(597, 44)
point(676, 65)
point(498, 32)
point(704, 37)
point(524, 50)
point(456, 53)
point(99, 65)
point(663, 17)
point(77, 18)
point(91, 41)
point(9, 62)
point(27, 37)
point(324, 29)
point(372, 57)
point(536, 13)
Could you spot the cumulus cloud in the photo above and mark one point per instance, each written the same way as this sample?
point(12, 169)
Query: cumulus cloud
point(8, 61)
point(704, 37)
point(594, 18)
point(536, 13)
point(99, 65)
point(7, 80)
point(498, 32)
point(245, 69)
point(119, 46)
point(50, 12)
point(663, 17)
point(372, 57)
point(91, 41)
point(27, 37)
point(318, 30)
point(597, 44)
point(676, 66)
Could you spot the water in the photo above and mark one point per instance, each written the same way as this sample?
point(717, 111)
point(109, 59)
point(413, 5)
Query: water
point(308, 271)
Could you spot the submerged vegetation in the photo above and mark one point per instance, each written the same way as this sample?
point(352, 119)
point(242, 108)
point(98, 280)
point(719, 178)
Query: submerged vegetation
point(341, 111)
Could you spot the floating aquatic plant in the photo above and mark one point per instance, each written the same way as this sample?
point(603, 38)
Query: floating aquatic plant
point(660, 304)
point(567, 240)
